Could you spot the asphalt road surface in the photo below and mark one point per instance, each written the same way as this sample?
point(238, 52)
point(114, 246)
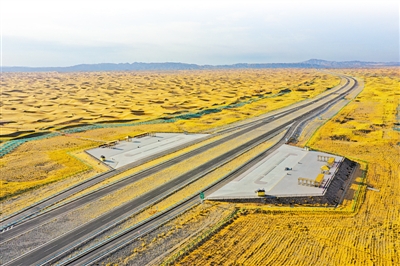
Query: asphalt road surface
point(35, 209)
point(109, 246)
point(82, 232)
point(76, 236)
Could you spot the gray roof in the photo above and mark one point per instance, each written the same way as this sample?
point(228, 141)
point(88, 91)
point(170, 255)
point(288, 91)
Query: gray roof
point(270, 174)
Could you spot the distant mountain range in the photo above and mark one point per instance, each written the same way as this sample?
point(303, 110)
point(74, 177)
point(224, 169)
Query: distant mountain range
point(312, 63)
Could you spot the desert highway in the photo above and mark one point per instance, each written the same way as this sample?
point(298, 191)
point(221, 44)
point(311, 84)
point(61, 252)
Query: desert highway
point(39, 218)
point(35, 218)
point(94, 253)
point(102, 250)
point(70, 239)
point(35, 209)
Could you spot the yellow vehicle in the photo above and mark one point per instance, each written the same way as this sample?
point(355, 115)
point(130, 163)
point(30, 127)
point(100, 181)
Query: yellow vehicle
point(260, 192)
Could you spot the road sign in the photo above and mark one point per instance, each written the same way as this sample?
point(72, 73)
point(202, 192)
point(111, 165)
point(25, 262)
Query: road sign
point(201, 195)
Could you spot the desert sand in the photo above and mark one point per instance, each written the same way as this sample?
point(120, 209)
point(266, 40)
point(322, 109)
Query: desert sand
point(39, 102)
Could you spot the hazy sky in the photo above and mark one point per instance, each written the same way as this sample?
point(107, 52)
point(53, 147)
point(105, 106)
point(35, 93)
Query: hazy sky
point(62, 33)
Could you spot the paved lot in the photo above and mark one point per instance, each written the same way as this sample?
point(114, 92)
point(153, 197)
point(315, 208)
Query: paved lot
point(270, 174)
point(125, 152)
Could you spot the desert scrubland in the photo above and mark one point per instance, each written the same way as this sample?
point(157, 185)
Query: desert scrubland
point(47, 102)
point(365, 232)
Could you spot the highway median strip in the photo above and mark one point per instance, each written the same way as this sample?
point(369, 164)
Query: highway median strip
point(117, 171)
point(164, 195)
point(257, 121)
point(193, 196)
point(221, 162)
point(49, 208)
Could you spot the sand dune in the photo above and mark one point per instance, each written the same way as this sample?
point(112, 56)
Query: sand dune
point(38, 101)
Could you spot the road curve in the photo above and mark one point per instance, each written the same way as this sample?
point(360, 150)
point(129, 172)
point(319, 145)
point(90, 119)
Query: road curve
point(102, 250)
point(35, 218)
point(50, 248)
point(34, 209)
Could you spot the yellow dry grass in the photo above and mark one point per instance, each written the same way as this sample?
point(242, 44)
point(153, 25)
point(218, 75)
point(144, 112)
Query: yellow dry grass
point(34, 164)
point(76, 98)
point(363, 131)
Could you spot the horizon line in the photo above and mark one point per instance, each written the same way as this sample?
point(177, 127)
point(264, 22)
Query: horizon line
point(214, 65)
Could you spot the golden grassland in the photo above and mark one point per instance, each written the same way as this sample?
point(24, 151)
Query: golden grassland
point(35, 164)
point(42, 162)
point(18, 202)
point(362, 131)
